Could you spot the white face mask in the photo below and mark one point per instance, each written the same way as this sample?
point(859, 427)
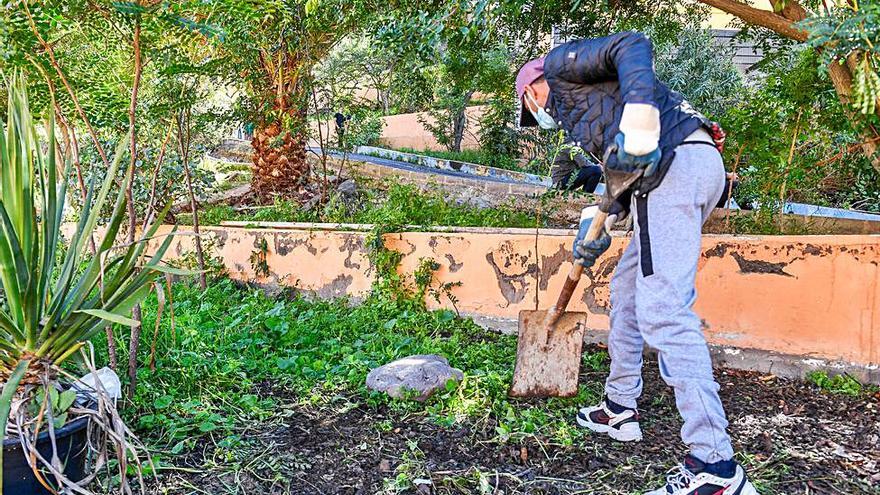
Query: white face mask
point(544, 120)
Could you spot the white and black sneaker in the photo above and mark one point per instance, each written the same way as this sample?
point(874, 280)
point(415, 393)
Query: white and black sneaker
point(622, 426)
point(695, 477)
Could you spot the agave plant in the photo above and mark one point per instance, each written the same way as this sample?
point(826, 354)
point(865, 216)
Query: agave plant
point(58, 292)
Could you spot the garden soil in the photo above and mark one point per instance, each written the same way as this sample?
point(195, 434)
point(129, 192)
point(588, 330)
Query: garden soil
point(799, 440)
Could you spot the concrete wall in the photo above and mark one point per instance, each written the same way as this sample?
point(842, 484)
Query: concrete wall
point(405, 131)
point(816, 297)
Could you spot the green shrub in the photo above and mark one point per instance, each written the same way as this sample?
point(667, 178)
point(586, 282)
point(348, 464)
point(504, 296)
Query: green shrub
point(791, 140)
point(395, 204)
point(364, 128)
point(699, 68)
point(838, 384)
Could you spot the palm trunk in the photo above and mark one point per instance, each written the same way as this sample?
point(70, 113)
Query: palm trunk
point(279, 164)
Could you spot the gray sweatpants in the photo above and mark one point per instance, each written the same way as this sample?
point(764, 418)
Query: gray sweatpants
point(652, 294)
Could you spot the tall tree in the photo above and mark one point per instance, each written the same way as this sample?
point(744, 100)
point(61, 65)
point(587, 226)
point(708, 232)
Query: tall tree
point(272, 46)
point(849, 61)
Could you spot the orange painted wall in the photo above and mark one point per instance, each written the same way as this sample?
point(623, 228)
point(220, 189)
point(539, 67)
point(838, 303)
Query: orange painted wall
point(806, 295)
point(406, 131)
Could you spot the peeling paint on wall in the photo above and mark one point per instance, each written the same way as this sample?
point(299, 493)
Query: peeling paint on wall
point(796, 295)
point(759, 266)
point(513, 271)
point(550, 265)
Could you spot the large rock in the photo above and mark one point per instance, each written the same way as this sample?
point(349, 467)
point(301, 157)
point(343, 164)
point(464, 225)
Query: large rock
point(347, 188)
point(423, 374)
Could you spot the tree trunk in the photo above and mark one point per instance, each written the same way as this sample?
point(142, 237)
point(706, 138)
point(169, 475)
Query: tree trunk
point(184, 139)
point(459, 123)
point(132, 214)
point(279, 164)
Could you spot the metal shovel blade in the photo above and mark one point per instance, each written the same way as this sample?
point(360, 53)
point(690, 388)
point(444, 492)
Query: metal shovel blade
point(617, 182)
point(548, 364)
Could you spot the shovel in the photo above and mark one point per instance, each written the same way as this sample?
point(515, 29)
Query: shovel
point(548, 353)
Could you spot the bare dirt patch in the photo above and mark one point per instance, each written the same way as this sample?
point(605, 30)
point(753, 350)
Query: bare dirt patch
point(798, 440)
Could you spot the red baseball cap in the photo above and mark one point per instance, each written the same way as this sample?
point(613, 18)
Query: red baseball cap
point(528, 73)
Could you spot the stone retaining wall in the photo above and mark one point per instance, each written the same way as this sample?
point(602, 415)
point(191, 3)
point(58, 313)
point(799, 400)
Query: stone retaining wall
point(814, 297)
point(474, 169)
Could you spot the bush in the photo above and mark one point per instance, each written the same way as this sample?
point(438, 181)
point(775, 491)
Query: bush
point(700, 69)
point(790, 140)
point(499, 139)
point(364, 128)
point(398, 205)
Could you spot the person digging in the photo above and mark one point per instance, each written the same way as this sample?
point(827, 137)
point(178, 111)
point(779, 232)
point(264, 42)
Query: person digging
point(603, 92)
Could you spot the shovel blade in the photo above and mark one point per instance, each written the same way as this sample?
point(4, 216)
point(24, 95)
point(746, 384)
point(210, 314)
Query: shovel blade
point(617, 182)
point(548, 367)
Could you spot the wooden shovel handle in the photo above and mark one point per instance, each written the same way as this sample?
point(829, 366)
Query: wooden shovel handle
point(577, 269)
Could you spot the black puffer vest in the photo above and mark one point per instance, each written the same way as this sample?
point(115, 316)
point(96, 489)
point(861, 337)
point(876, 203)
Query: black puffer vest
point(590, 81)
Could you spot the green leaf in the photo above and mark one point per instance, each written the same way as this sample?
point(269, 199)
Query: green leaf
point(54, 398)
point(66, 399)
point(163, 401)
point(178, 447)
point(112, 317)
point(175, 271)
point(285, 364)
point(59, 420)
point(445, 315)
point(207, 426)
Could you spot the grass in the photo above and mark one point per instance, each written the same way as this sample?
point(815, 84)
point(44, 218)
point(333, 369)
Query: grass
point(227, 341)
point(398, 205)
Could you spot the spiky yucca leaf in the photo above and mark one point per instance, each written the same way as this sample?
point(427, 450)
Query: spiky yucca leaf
point(53, 310)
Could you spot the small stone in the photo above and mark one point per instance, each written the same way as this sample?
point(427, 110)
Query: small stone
point(384, 466)
point(422, 374)
point(347, 188)
point(311, 203)
point(423, 486)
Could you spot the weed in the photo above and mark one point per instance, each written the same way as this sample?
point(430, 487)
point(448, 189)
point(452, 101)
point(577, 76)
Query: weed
point(388, 203)
point(838, 384)
point(258, 259)
point(425, 283)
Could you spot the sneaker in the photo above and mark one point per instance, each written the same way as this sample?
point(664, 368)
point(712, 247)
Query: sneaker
point(622, 426)
point(694, 478)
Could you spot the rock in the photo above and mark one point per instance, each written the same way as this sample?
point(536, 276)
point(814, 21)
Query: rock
point(347, 188)
point(311, 203)
point(423, 374)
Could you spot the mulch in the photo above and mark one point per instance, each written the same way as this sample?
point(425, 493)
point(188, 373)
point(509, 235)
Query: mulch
point(798, 440)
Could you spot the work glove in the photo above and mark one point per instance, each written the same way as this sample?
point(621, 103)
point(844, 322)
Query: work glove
point(586, 252)
point(638, 140)
point(630, 163)
point(619, 206)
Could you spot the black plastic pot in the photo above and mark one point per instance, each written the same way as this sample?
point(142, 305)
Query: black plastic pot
point(18, 477)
